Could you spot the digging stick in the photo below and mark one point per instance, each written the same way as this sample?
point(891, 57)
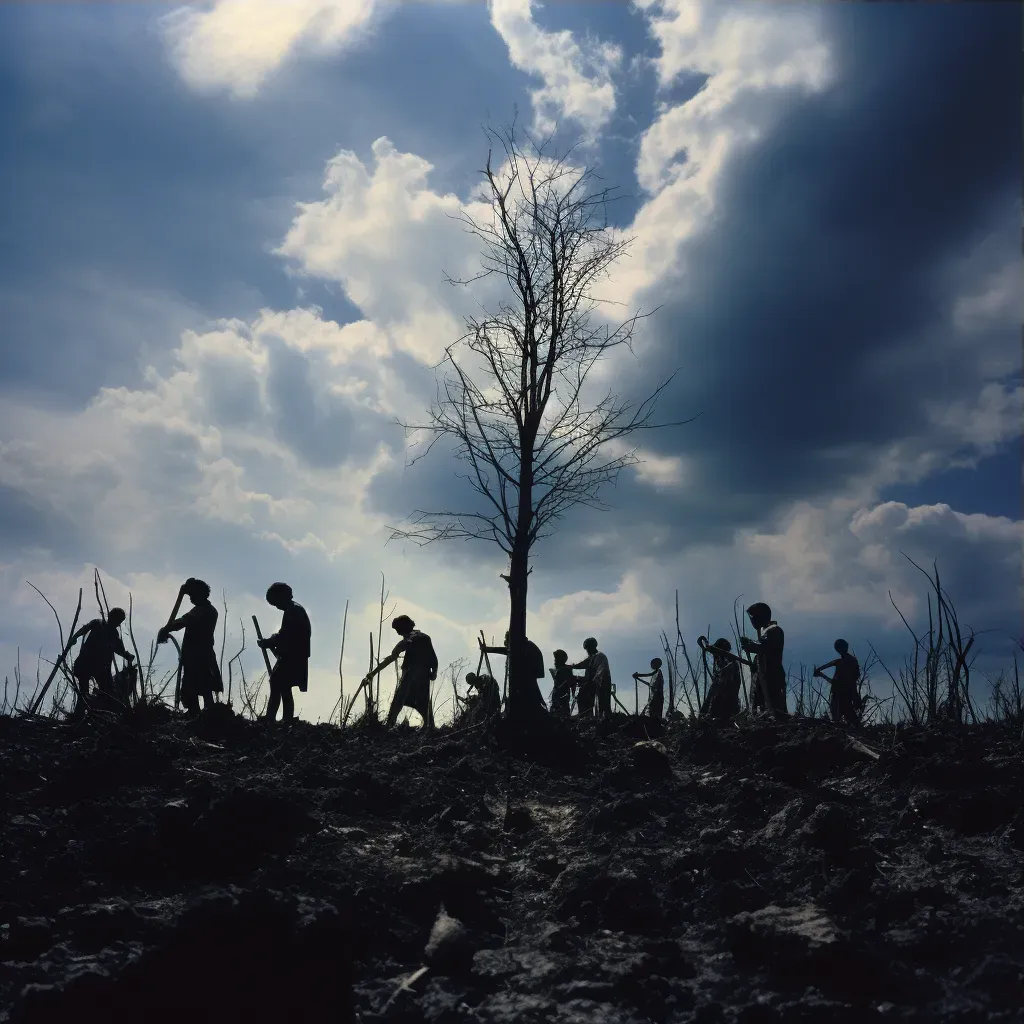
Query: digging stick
point(480, 660)
point(487, 660)
point(177, 678)
point(347, 706)
point(177, 605)
point(170, 619)
point(266, 657)
point(621, 705)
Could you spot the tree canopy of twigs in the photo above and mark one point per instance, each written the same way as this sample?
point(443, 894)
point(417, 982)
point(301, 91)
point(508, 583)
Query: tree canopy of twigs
point(515, 403)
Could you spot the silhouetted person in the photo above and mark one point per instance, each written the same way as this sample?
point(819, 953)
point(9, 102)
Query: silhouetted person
point(563, 685)
point(290, 645)
point(844, 701)
point(200, 673)
point(656, 684)
point(767, 651)
point(419, 669)
point(525, 701)
point(95, 660)
point(597, 680)
point(723, 699)
point(486, 702)
point(532, 694)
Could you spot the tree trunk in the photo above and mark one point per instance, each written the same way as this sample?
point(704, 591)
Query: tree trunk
point(518, 666)
point(518, 663)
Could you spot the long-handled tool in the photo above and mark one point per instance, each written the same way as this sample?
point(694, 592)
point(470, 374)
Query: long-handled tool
point(177, 646)
point(619, 702)
point(266, 657)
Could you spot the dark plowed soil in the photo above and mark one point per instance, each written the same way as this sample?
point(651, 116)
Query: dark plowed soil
point(155, 870)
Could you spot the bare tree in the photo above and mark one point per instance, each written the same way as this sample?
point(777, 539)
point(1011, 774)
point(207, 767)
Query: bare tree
point(516, 406)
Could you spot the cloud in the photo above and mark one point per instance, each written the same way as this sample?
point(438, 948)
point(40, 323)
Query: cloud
point(831, 559)
point(745, 64)
point(841, 324)
point(236, 45)
point(389, 240)
point(577, 78)
point(259, 425)
point(590, 612)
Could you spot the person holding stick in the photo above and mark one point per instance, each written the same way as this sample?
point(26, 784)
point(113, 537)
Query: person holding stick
point(844, 701)
point(656, 688)
point(95, 660)
point(290, 645)
point(722, 702)
point(768, 668)
point(200, 673)
point(419, 669)
point(597, 681)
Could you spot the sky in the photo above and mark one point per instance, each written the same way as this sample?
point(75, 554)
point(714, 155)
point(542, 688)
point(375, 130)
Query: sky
point(227, 228)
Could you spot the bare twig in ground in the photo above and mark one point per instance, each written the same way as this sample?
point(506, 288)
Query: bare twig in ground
point(224, 636)
point(341, 672)
point(65, 647)
point(141, 696)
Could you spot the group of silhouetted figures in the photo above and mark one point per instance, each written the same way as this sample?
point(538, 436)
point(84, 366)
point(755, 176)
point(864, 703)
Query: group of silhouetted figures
point(592, 694)
point(589, 694)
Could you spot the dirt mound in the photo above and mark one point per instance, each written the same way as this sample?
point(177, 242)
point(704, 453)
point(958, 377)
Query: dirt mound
point(594, 872)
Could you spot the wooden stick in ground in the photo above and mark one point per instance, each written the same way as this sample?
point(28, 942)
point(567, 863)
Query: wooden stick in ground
point(60, 661)
point(341, 659)
point(369, 686)
point(375, 694)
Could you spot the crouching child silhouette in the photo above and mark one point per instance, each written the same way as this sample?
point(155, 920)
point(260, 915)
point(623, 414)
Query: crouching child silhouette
point(95, 660)
point(486, 702)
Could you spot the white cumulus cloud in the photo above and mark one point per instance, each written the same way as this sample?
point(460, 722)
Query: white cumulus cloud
point(576, 76)
point(236, 45)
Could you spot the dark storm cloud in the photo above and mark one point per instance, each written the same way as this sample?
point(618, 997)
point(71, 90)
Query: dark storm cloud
point(816, 312)
point(812, 331)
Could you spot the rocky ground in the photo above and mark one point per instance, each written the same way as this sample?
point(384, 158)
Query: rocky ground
point(755, 875)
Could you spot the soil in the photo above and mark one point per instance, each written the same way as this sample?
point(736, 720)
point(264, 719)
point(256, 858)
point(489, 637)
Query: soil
point(230, 870)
